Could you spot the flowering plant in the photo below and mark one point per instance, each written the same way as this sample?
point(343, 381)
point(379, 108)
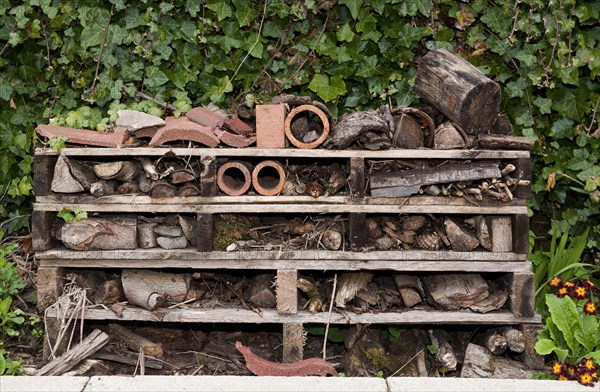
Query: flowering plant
point(572, 330)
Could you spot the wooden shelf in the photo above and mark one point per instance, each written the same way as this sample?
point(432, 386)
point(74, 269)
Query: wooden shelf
point(291, 153)
point(271, 316)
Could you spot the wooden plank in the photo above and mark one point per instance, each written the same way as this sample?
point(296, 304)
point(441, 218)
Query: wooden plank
point(316, 256)
point(520, 233)
point(530, 357)
point(205, 230)
point(287, 292)
point(521, 292)
point(208, 176)
point(523, 170)
point(357, 178)
point(293, 153)
point(49, 286)
point(358, 231)
point(286, 208)
point(42, 237)
point(501, 231)
point(236, 315)
point(43, 173)
point(293, 342)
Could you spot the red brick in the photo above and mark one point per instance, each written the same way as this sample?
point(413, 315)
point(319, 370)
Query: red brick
point(270, 120)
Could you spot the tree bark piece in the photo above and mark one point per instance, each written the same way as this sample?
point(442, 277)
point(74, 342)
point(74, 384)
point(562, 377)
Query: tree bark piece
point(455, 291)
point(408, 182)
point(350, 126)
point(480, 363)
point(162, 188)
point(481, 228)
point(349, 284)
point(444, 352)
point(135, 341)
point(494, 301)
point(307, 367)
point(260, 291)
point(100, 234)
point(102, 188)
point(447, 137)
point(92, 343)
point(459, 90)
point(504, 142)
point(152, 289)
point(146, 235)
point(461, 239)
point(82, 173)
point(410, 289)
point(63, 181)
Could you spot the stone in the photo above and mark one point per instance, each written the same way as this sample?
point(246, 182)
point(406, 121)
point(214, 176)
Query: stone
point(134, 120)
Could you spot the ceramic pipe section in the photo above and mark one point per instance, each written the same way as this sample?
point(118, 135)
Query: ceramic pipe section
point(233, 178)
point(268, 178)
point(288, 126)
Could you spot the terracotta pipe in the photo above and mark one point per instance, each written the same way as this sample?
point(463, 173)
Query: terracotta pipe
point(268, 178)
point(233, 178)
point(288, 126)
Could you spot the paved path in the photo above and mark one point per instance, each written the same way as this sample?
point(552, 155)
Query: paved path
point(267, 384)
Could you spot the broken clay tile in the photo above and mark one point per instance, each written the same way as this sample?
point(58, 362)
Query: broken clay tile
point(184, 129)
point(230, 139)
point(146, 132)
point(306, 367)
point(85, 136)
point(134, 120)
point(270, 121)
point(205, 117)
point(238, 126)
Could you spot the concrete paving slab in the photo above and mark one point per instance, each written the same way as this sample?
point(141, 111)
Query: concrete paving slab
point(235, 384)
point(401, 384)
point(46, 383)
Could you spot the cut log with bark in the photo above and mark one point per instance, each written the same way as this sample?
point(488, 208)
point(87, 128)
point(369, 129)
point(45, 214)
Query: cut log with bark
point(63, 181)
point(188, 190)
point(145, 184)
point(494, 301)
point(92, 343)
point(333, 237)
point(153, 289)
point(480, 225)
point(444, 352)
point(407, 132)
point(448, 137)
point(189, 226)
point(408, 182)
point(459, 90)
point(461, 239)
point(102, 188)
point(135, 341)
point(516, 339)
point(162, 188)
point(504, 142)
point(82, 173)
point(410, 289)
point(455, 291)
point(494, 341)
point(146, 235)
point(481, 363)
point(349, 284)
point(182, 175)
point(120, 170)
point(128, 188)
point(100, 234)
point(261, 291)
point(350, 126)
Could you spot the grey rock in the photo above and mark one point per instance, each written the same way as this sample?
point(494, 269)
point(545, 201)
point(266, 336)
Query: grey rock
point(134, 120)
point(169, 231)
point(172, 243)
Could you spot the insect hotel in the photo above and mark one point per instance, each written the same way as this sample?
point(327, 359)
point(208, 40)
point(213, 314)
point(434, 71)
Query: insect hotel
point(396, 216)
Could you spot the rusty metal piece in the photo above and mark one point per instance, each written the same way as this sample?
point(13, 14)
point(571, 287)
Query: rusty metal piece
point(233, 140)
point(288, 126)
point(233, 178)
point(85, 136)
point(306, 367)
point(184, 129)
point(268, 178)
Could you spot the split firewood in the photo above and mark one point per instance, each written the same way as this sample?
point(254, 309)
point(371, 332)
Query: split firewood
point(145, 184)
point(120, 170)
point(448, 137)
point(481, 363)
point(162, 188)
point(146, 235)
point(407, 132)
point(188, 190)
point(349, 284)
point(350, 126)
point(189, 226)
point(260, 291)
point(153, 289)
point(504, 142)
point(480, 225)
point(82, 173)
point(337, 179)
point(182, 175)
point(100, 288)
point(494, 301)
point(461, 239)
point(444, 352)
point(88, 346)
point(135, 341)
point(100, 234)
point(63, 181)
point(102, 188)
point(410, 288)
point(454, 291)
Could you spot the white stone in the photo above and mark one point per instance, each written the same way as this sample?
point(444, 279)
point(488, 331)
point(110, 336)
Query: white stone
point(134, 120)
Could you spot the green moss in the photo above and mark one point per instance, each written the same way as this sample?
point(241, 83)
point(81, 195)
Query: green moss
point(230, 228)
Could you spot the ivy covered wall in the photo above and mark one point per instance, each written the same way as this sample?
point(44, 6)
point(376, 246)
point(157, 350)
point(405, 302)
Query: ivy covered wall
point(79, 61)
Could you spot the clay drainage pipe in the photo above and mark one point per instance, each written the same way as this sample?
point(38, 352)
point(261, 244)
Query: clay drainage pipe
point(268, 178)
point(233, 178)
point(288, 126)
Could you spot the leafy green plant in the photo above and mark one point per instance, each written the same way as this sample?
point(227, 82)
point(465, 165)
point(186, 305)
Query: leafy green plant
point(8, 366)
point(68, 214)
point(57, 143)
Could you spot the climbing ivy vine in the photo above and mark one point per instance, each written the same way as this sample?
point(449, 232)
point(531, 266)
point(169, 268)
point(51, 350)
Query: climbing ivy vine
point(76, 62)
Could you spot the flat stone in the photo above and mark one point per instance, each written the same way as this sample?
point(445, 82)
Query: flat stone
point(270, 122)
point(168, 231)
point(172, 243)
point(182, 129)
point(134, 120)
point(42, 383)
point(85, 136)
point(233, 140)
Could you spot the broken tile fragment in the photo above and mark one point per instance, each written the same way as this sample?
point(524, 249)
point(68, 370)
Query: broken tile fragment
point(233, 140)
point(134, 120)
point(183, 129)
point(84, 136)
point(208, 118)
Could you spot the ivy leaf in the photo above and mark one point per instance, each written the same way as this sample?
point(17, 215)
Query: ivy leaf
point(327, 89)
point(367, 25)
point(221, 8)
point(188, 31)
point(91, 36)
point(368, 67)
point(155, 77)
point(543, 104)
point(569, 103)
point(354, 6)
point(6, 89)
point(526, 58)
point(570, 75)
point(243, 12)
point(345, 33)
point(408, 34)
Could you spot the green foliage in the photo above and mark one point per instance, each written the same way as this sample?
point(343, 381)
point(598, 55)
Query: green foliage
point(68, 214)
point(9, 367)
point(334, 335)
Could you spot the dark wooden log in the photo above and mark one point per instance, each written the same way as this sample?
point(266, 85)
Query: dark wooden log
point(145, 184)
point(520, 233)
point(455, 291)
point(260, 291)
point(523, 172)
point(63, 181)
point(102, 188)
point(502, 126)
point(100, 288)
point(208, 176)
point(188, 190)
point(504, 142)
point(408, 182)
point(481, 363)
point(358, 234)
point(350, 126)
point(162, 188)
point(494, 341)
point(349, 284)
point(42, 237)
point(458, 90)
point(135, 341)
point(82, 173)
point(410, 289)
point(129, 188)
point(356, 178)
point(153, 289)
point(461, 239)
point(100, 234)
point(206, 230)
point(182, 175)
point(521, 289)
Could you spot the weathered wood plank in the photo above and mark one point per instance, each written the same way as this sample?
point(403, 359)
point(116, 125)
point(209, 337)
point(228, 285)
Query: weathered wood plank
point(523, 171)
point(205, 232)
point(358, 231)
point(49, 286)
point(293, 153)
point(521, 292)
point(236, 315)
point(43, 173)
point(502, 236)
point(42, 223)
point(357, 177)
point(520, 234)
point(530, 357)
point(287, 291)
point(208, 176)
point(293, 342)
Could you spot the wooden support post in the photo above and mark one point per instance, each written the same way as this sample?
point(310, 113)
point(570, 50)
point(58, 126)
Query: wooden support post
point(287, 291)
point(357, 177)
point(43, 173)
point(358, 231)
point(49, 285)
point(206, 230)
point(41, 230)
point(502, 233)
point(521, 292)
point(530, 357)
point(293, 342)
point(208, 177)
point(523, 171)
point(520, 233)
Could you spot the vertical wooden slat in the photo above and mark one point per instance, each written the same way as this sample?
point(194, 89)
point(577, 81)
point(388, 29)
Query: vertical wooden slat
point(293, 342)
point(43, 173)
point(502, 233)
point(287, 292)
point(357, 177)
point(523, 170)
point(206, 231)
point(208, 177)
point(520, 233)
point(358, 231)
point(41, 230)
point(530, 357)
point(521, 292)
